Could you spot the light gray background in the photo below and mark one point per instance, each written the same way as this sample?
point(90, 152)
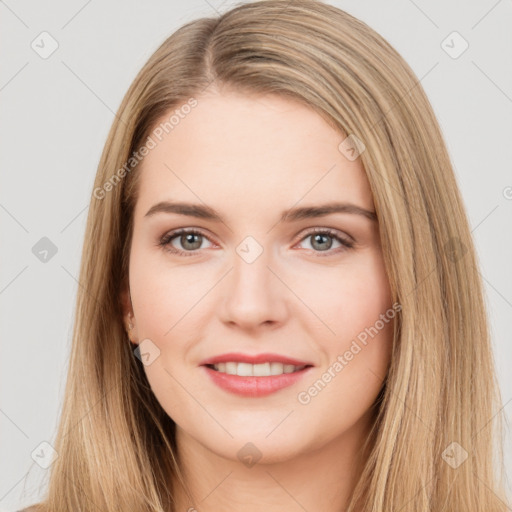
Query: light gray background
point(55, 115)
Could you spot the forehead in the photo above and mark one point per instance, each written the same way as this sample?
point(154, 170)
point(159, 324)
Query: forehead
point(249, 151)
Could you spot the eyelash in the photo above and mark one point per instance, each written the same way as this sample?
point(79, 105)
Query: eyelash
point(165, 241)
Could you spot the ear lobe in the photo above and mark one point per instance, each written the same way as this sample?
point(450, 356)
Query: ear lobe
point(127, 311)
point(126, 305)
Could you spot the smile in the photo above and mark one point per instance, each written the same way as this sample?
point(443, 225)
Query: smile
point(254, 380)
point(255, 370)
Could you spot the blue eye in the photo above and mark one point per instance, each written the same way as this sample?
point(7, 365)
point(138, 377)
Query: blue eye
point(191, 241)
point(322, 239)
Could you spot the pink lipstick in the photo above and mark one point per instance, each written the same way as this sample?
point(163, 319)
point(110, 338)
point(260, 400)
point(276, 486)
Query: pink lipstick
point(254, 375)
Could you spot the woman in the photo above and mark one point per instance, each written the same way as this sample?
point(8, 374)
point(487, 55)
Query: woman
point(281, 305)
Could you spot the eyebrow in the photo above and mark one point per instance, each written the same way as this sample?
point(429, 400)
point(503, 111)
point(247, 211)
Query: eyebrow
point(291, 215)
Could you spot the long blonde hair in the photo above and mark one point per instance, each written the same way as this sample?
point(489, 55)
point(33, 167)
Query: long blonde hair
point(432, 446)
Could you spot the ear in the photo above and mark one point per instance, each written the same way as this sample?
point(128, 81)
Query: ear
point(128, 315)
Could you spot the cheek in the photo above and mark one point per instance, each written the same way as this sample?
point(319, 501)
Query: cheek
point(347, 299)
point(168, 300)
point(356, 334)
point(166, 315)
point(347, 385)
point(163, 295)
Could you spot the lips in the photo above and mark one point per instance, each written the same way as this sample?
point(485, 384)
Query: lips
point(254, 375)
point(254, 359)
point(255, 370)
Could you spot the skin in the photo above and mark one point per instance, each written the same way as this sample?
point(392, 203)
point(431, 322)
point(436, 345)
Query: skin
point(250, 158)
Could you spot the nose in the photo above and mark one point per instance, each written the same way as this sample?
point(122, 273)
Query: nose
point(254, 295)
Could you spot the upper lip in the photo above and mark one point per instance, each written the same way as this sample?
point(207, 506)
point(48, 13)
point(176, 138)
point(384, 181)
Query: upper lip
point(254, 359)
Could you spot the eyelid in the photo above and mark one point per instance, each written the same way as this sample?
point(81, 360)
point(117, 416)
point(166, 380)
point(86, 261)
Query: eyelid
point(330, 231)
point(165, 240)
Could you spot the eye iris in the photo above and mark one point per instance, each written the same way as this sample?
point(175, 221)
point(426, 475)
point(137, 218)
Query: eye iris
point(319, 238)
point(192, 241)
point(185, 239)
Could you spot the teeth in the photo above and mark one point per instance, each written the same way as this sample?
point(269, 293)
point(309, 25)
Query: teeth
point(276, 368)
point(244, 370)
point(260, 370)
point(256, 370)
point(230, 368)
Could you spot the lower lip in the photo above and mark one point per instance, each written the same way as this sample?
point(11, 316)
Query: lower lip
point(255, 386)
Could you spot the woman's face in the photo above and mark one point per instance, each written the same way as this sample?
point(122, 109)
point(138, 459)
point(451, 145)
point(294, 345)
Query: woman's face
point(304, 293)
